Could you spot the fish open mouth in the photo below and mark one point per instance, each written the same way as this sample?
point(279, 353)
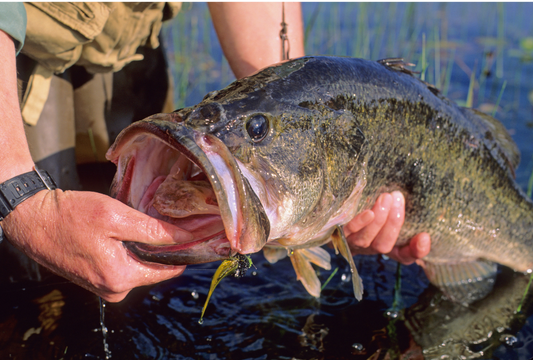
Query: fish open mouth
point(190, 179)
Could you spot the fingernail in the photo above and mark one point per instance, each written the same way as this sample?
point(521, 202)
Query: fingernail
point(384, 201)
point(423, 243)
point(397, 199)
point(367, 216)
point(182, 236)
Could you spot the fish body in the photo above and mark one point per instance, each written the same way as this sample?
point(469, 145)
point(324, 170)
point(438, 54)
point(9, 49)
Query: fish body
point(293, 152)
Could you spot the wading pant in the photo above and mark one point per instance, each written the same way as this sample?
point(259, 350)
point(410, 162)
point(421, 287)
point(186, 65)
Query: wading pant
point(81, 117)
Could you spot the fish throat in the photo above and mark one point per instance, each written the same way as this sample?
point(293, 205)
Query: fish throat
point(189, 180)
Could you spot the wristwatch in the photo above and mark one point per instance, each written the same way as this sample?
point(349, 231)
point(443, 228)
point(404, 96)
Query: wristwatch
point(17, 189)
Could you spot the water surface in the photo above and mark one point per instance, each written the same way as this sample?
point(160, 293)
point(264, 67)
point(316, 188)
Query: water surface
point(268, 314)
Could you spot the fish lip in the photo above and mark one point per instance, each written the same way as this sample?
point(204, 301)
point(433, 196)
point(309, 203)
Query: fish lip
point(193, 252)
point(171, 130)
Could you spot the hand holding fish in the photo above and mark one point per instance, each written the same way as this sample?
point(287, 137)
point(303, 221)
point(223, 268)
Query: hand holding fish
point(79, 235)
point(376, 231)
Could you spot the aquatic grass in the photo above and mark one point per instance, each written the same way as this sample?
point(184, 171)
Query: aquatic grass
point(397, 303)
point(329, 278)
point(499, 99)
point(528, 286)
point(206, 44)
point(530, 184)
point(310, 24)
point(448, 74)
point(501, 40)
point(379, 36)
point(437, 58)
point(361, 43)
point(423, 59)
point(485, 71)
point(470, 94)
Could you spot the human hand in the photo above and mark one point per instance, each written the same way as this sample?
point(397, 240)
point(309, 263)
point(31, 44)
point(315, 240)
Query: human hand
point(78, 235)
point(376, 231)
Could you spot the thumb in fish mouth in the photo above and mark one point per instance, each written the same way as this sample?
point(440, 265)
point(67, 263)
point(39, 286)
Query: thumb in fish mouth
point(216, 247)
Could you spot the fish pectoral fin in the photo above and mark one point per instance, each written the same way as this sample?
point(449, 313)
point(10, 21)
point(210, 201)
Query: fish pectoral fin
point(317, 256)
point(341, 245)
point(273, 255)
point(463, 282)
point(305, 272)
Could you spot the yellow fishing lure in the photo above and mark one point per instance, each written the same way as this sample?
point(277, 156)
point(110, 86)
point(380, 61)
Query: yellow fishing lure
point(237, 266)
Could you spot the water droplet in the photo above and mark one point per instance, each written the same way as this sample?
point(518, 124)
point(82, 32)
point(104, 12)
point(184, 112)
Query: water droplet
point(201, 321)
point(345, 277)
point(392, 314)
point(195, 295)
point(209, 338)
point(509, 340)
point(358, 347)
point(254, 273)
point(155, 298)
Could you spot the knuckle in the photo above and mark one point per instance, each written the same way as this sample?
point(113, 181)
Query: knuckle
point(154, 228)
point(383, 247)
point(360, 240)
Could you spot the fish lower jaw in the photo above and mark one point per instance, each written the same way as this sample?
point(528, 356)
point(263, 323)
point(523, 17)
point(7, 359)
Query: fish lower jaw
point(198, 251)
point(190, 180)
point(166, 198)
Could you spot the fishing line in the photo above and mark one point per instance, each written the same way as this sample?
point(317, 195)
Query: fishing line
point(283, 35)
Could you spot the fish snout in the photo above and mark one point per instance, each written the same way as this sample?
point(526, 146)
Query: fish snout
point(206, 115)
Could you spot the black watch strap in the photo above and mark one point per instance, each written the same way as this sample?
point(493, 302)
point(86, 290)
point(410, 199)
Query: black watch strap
point(16, 190)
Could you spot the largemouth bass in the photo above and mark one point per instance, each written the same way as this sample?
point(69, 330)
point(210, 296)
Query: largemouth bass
point(282, 159)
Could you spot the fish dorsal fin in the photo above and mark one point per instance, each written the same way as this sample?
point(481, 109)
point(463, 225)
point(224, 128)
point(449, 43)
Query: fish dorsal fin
point(398, 64)
point(305, 272)
point(341, 245)
point(274, 254)
point(495, 133)
point(463, 282)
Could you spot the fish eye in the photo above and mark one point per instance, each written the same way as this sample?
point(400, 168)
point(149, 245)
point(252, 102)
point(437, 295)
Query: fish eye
point(257, 127)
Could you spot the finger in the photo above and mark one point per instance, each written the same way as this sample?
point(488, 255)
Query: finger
point(364, 237)
point(153, 275)
point(356, 250)
point(114, 298)
point(118, 281)
point(418, 247)
point(385, 240)
point(132, 225)
point(359, 222)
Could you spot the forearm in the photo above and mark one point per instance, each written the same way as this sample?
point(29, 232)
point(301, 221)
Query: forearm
point(249, 33)
point(15, 157)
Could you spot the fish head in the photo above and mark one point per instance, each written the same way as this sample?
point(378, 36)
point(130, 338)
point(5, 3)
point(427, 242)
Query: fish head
point(245, 161)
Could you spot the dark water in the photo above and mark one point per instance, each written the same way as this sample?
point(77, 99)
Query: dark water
point(268, 314)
